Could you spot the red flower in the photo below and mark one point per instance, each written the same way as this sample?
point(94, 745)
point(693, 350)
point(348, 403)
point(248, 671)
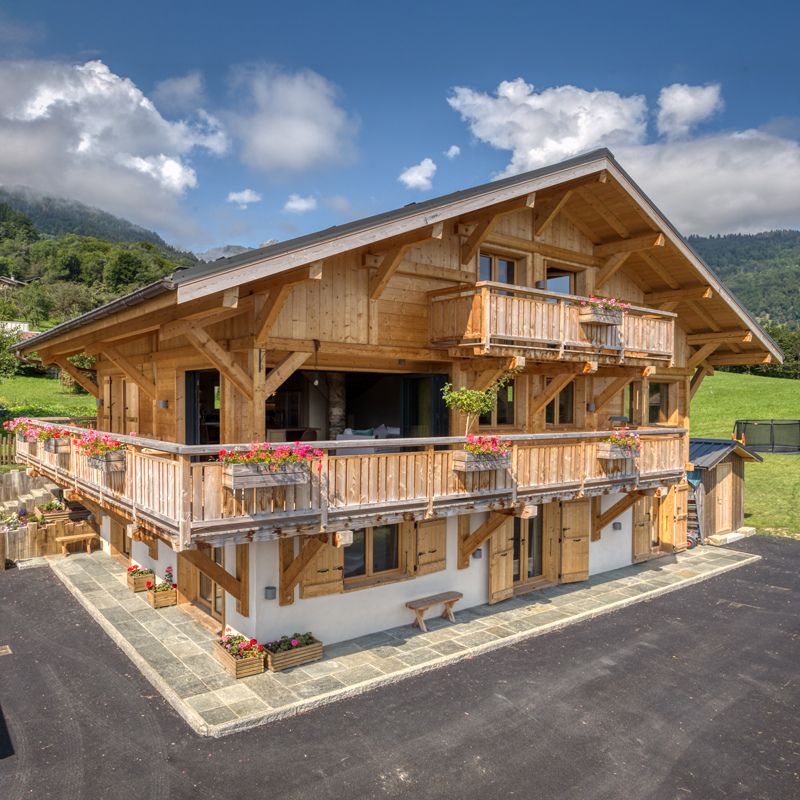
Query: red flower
point(149, 584)
point(130, 569)
point(253, 642)
point(174, 585)
point(260, 648)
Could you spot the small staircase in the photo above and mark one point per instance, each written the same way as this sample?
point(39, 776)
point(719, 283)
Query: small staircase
point(32, 498)
point(693, 517)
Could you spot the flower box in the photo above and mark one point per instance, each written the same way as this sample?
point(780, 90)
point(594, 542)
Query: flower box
point(163, 598)
point(609, 451)
point(249, 476)
point(29, 438)
point(138, 583)
point(113, 461)
point(276, 662)
point(464, 461)
point(600, 316)
point(56, 445)
point(239, 667)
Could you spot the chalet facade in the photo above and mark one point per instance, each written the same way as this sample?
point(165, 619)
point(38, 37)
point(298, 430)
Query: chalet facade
point(344, 339)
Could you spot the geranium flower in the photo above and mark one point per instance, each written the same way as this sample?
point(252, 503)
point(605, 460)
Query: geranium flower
point(295, 642)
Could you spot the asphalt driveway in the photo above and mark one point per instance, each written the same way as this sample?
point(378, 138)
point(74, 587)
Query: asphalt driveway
point(693, 695)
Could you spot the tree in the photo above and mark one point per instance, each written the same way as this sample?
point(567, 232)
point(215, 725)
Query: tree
point(473, 403)
point(8, 361)
point(123, 269)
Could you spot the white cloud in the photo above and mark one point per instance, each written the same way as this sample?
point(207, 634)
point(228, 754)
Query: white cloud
point(716, 183)
point(339, 203)
point(299, 205)
point(453, 151)
point(244, 198)
point(681, 107)
point(290, 122)
point(183, 93)
point(81, 131)
point(420, 176)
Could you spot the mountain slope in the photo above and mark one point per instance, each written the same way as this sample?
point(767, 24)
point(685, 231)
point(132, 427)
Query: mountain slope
point(57, 216)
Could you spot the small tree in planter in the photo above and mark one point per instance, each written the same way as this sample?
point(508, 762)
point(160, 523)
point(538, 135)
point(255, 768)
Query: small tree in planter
point(138, 577)
point(267, 465)
point(621, 444)
point(164, 593)
point(291, 651)
point(603, 310)
point(103, 452)
point(240, 656)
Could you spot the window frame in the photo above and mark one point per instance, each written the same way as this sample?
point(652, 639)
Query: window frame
point(493, 423)
point(555, 404)
point(370, 577)
point(664, 406)
point(563, 271)
point(495, 257)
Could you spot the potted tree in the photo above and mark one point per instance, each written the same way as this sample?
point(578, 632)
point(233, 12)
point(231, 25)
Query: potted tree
point(241, 657)
point(164, 593)
point(602, 311)
point(291, 651)
point(267, 465)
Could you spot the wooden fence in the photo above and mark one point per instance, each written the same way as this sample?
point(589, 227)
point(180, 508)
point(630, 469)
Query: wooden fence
point(36, 540)
point(8, 450)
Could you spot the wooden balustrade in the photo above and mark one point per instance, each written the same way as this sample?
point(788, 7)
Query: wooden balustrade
point(402, 478)
point(493, 315)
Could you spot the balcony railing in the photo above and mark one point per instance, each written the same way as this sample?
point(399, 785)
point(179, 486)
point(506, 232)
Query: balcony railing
point(490, 316)
point(164, 486)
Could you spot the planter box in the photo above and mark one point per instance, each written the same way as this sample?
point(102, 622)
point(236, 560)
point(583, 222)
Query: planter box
point(162, 599)
point(250, 476)
point(464, 461)
point(108, 462)
point(56, 445)
point(606, 450)
point(73, 513)
point(239, 667)
point(28, 439)
point(600, 316)
point(138, 583)
point(294, 658)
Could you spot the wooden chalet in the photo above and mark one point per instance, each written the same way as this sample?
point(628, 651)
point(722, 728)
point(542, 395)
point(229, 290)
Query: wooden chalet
point(344, 338)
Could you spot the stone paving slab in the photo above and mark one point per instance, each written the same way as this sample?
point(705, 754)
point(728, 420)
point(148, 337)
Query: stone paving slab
point(173, 651)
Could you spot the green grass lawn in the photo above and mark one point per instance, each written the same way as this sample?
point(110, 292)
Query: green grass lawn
point(772, 490)
point(43, 397)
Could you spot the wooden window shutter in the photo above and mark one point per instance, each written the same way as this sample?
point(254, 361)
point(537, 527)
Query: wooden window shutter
point(325, 574)
point(501, 562)
point(576, 524)
point(431, 546)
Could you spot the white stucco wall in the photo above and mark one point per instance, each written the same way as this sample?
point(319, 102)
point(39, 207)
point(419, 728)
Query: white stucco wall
point(336, 617)
point(614, 549)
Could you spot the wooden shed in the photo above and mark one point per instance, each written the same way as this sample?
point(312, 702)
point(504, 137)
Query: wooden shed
point(717, 482)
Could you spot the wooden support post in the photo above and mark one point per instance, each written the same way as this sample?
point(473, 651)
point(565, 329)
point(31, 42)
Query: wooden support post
point(546, 213)
point(610, 268)
point(467, 546)
point(77, 375)
point(214, 571)
point(279, 375)
point(607, 517)
point(243, 576)
point(292, 571)
point(273, 305)
point(201, 340)
point(701, 355)
point(700, 373)
point(611, 391)
point(389, 264)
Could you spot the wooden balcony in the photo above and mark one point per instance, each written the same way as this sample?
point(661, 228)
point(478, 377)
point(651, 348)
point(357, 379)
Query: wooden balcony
point(496, 318)
point(165, 488)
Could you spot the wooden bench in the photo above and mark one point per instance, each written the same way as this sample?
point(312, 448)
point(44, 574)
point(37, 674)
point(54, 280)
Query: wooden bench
point(419, 607)
point(88, 537)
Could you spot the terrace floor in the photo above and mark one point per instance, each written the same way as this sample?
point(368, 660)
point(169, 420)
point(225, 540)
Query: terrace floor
point(174, 652)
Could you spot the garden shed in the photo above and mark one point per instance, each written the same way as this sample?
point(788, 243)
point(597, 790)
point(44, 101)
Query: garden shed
point(717, 482)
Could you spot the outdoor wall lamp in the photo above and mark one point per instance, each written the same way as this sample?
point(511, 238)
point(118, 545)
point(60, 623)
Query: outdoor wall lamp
point(616, 526)
point(478, 553)
point(270, 592)
point(540, 285)
point(98, 402)
point(163, 403)
point(591, 408)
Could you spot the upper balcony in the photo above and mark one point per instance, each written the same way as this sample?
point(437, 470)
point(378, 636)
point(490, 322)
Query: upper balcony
point(499, 319)
point(176, 490)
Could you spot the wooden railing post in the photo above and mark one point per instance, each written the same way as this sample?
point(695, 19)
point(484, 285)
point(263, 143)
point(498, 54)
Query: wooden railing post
point(487, 318)
point(324, 490)
point(185, 503)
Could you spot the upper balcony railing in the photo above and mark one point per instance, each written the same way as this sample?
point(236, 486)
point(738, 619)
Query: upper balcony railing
point(491, 316)
point(165, 486)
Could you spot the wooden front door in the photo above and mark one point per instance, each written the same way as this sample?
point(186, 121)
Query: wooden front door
point(646, 539)
point(501, 562)
point(723, 493)
point(575, 530)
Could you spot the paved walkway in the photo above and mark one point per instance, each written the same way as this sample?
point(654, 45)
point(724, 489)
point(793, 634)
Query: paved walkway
point(175, 653)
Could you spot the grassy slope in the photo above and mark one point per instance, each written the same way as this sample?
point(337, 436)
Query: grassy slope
point(772, 493)
point(43, 397)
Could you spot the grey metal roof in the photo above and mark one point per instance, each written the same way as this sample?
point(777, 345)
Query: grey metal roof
point(707, 453)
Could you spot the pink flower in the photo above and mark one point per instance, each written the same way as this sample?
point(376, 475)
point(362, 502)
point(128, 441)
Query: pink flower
point(295, 642)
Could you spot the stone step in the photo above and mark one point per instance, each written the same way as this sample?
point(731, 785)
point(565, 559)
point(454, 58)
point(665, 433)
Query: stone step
point(719, 539)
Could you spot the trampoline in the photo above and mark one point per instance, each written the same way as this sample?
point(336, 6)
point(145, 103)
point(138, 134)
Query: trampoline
point(769, 435)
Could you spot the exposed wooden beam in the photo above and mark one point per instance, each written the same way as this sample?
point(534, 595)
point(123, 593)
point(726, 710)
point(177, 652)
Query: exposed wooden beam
point(200, 339)
point(702, 354)
point(735, 359)
point(547, 250)
point(548, 211)
point(707, 319)
point(605, 212)
point(270, 311)
point(290, 576)
point(646, 242)
point(281, 373)
point(684, 295)
point(76, 374)
point(609, 515)
point(230, 297)
point(611, 391)
point(390, 262)
point(659, 270)
point(467, 546)
point(550, 393)
point(610, 268)
point(147, 385)
point(701, 372)
point(742, 335)
point(482, 229)
point(172, 330)
point(210, 568)
point(578, 223)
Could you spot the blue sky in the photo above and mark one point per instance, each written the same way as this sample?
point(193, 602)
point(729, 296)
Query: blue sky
point(160, 111)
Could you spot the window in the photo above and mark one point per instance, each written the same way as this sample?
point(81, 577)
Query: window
point(560, 280)
point(561, 411)
point(498, 269)
point(658, 403)
point(373, 553)
point(503, 412)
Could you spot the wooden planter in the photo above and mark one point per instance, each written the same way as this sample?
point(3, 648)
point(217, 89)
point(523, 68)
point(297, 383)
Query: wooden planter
point(464, 461)
point(606, 450)
point(72, 513)
point(250, 476)
point(162, 599)
point(108, 462)
point(276, 662)
point(600, 316)
point(27, 439)
point(56, 445)
point(239, 667)
point(138, 583)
